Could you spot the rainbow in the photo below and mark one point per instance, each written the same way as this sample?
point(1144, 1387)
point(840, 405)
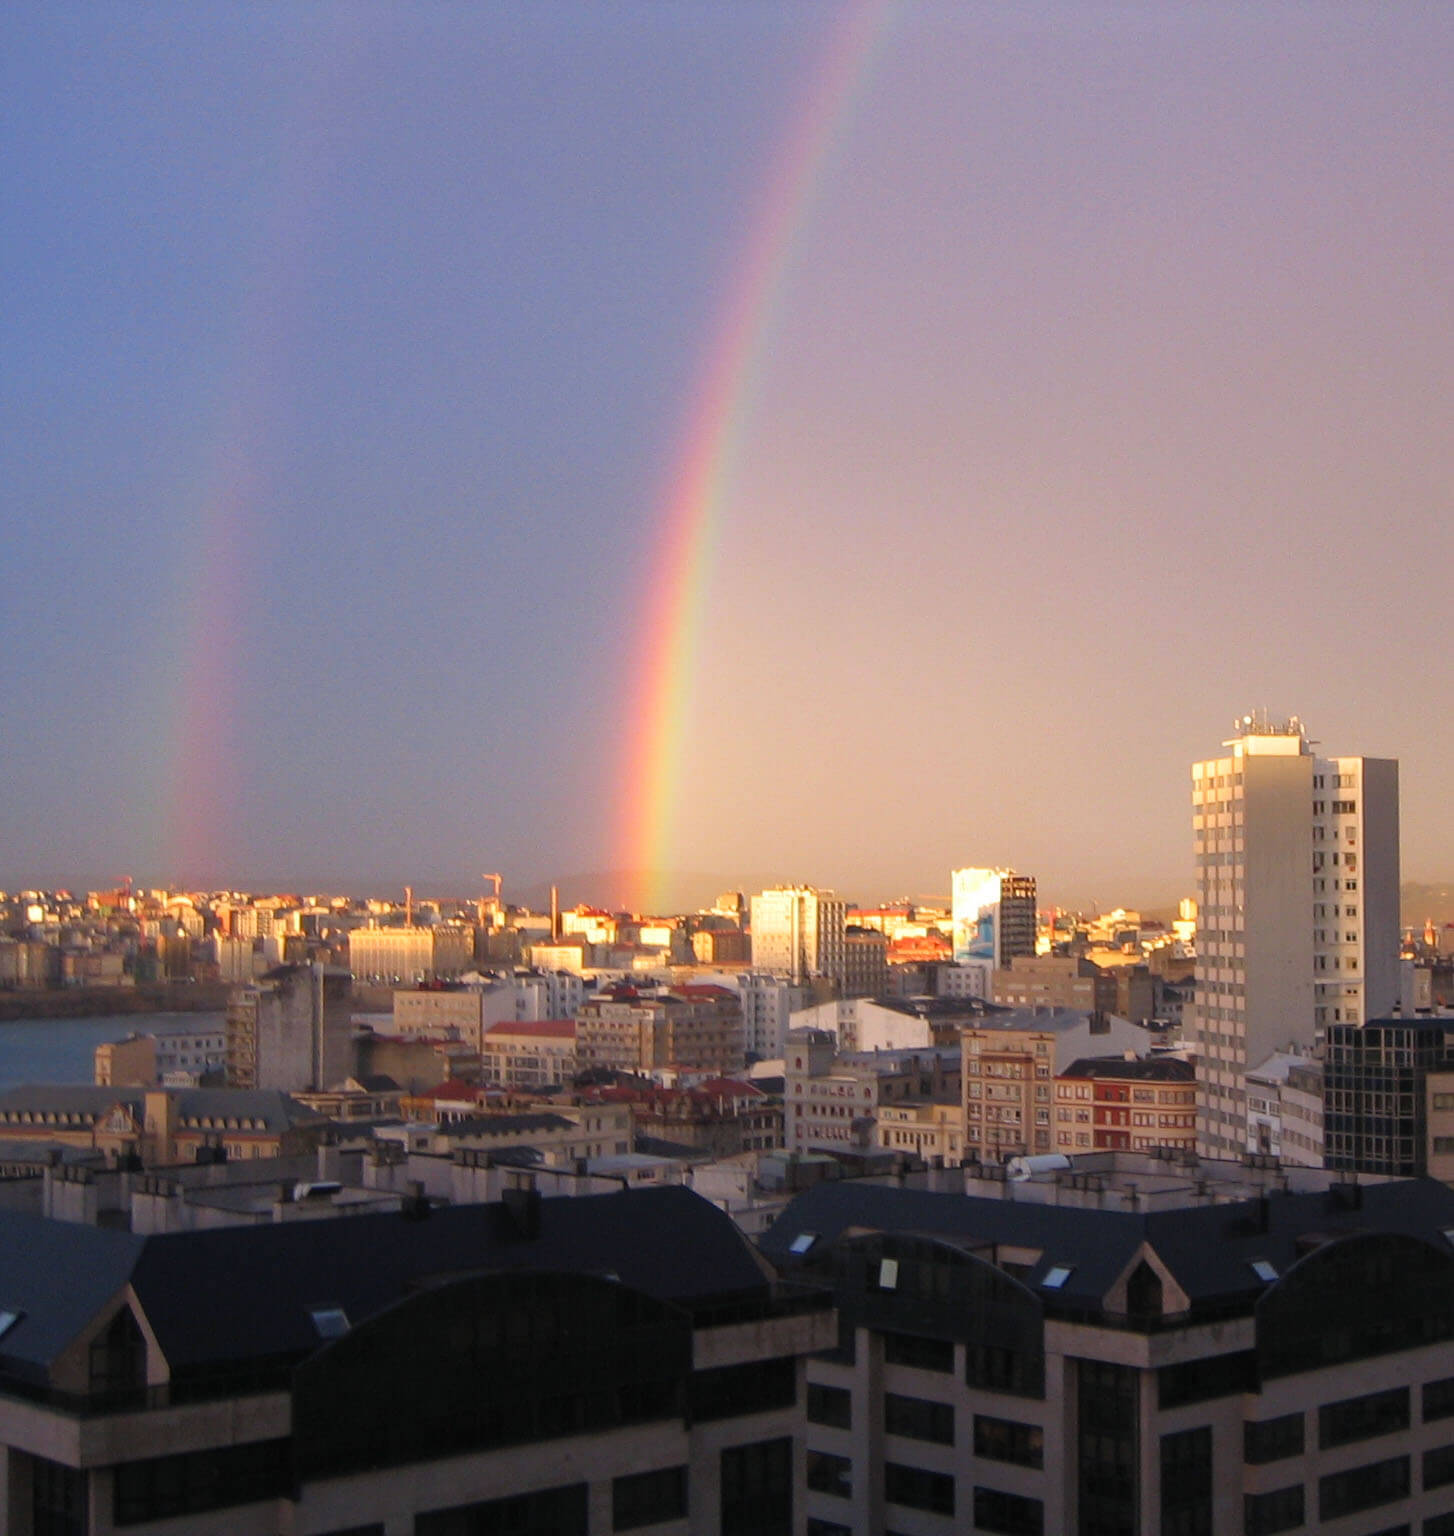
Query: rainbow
point(715, 430)
point(199, 780)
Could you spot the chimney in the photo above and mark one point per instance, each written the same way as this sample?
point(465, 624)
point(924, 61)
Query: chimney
point(554, 914)
point(522, 1206)
point(415, 1205)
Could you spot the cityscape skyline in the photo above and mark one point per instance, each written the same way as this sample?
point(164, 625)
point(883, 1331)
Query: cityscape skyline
point(822, 443)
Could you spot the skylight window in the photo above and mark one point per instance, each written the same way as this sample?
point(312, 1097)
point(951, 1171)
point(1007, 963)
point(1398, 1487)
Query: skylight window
point(1056, 1276)
point(8, 1320)
point(802, 1242)
point(331, 1322)
point(888, 1274)
point(1263, 1270)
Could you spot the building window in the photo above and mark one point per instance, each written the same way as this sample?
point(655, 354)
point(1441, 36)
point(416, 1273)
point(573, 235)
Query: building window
point(728, 1391)
point(1272, 1439)
point(648, 1498)
point(1439, 1466)
point(917, 1488)
point(925, 1354)
point(830, 1405)
point(1345, 1493)
point(918, 1418)
point(1107, 1450)
point(1007, 1440)
point(1363, 1418)
point(830, 1474)
point(57, 1497)
point(1264, 1514)
point(1186, 1483)
point(1008, 1513)
point(757, 1489)
point(1199, 1381)
point(195, 1481)
point(118, 1358)
point(1438, 1399)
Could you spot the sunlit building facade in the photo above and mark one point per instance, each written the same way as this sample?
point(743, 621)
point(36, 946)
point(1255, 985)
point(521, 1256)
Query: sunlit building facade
point(799, 932)
point(993, 915)
point(1297, 864)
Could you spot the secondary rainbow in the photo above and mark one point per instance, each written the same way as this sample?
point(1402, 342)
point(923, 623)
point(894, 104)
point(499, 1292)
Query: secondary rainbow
point(201, 776)
point(716, 425)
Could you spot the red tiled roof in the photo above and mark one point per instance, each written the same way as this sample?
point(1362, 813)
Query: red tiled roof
point(729, 1088)
point(555, 1029)
point(454, 1090)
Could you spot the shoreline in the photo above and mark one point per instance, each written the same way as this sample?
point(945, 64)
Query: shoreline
point(98, 1002)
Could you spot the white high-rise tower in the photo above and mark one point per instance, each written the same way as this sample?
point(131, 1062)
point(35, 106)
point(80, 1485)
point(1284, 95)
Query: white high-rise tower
point(798, 932)
point(1297, 862)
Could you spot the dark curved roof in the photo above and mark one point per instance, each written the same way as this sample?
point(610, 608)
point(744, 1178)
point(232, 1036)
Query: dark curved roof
point(217, 1297)
point(1208, 1249)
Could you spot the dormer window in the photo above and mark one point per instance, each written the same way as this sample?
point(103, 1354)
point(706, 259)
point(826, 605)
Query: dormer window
point(330, 1321)
point(117, 1357)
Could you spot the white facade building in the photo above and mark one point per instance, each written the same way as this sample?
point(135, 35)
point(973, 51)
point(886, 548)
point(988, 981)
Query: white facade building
point(993, 915)
point(798, 932)
point(767, 1005)
point(1285, 1110)
point(1297, 864)
point(860, 1024)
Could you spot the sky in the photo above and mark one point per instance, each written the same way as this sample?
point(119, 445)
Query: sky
point(662, 445)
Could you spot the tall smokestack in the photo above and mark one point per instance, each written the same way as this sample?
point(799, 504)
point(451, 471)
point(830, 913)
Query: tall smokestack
point(408, 906)
point(554, 913)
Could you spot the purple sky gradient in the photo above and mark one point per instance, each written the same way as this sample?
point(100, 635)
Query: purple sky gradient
point(348, 348)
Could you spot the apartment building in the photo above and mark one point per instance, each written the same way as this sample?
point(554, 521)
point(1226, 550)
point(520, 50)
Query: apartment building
point(721, 1116)
point(993, 915)
point(832, 1099)
point(1285, 1109)
point(578, 1366)
point(1010, 1062)
point(412, 952)
point(931, 1131)
point(178, 1057)
point(1152, 1361)
point(1109, 1104)
point(157, 1125)
point(1375, 1100)
point(1055, 981)
point(629, 1029)
point(767, 1003)
point(465, 1011)
point(1297, 863)
point(551, 1136)
point(798, 932)
point(539, 1053)
point(865, 962)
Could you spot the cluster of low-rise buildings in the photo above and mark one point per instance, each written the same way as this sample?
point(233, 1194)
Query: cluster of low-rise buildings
point(786, 1216)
